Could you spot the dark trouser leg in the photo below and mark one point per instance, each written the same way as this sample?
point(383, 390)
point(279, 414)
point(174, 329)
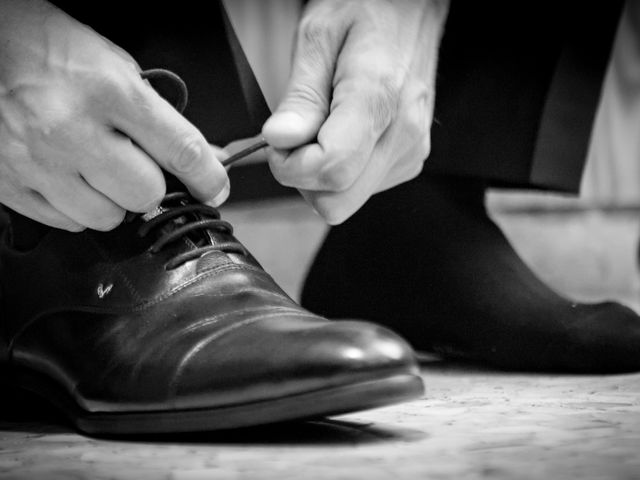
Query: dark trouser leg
point(518, 87)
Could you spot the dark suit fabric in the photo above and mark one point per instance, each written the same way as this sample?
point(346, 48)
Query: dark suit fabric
point(517, 90)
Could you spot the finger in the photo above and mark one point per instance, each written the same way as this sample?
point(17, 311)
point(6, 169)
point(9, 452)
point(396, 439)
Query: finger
point(125, 174)
point(83, 204)
point(34, 206)
point(306, 102)
point(172, 142)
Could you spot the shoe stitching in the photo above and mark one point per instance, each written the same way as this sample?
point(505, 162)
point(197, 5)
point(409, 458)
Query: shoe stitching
point(203, 276)
point(173, 385)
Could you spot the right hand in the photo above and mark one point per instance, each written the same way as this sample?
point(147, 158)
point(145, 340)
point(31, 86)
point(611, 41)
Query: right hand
point(82, 137)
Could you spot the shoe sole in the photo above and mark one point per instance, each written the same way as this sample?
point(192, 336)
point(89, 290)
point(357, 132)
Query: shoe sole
point(319, 403)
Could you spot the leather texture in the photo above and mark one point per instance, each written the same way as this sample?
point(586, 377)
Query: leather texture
point(101, 317)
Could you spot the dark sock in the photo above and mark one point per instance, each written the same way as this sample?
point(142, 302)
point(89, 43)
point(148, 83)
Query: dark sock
point(426, 260)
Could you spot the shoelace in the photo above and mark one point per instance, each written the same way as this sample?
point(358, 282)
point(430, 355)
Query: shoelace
point(205, 216)
point(210, 221)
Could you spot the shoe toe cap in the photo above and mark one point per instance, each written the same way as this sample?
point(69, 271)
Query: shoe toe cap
point(287, 356)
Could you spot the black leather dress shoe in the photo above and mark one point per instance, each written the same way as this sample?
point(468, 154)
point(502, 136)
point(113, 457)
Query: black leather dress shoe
point(168, 324)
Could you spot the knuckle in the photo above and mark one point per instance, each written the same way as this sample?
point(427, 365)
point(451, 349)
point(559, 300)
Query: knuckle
point(52, 124)
point(338, 176)
point(109, 80)
point(417, 115)
point(109, 87)
point(303, 93)
point(123, 79)
point(332, 214)
point(390, 84)
point(119, 88)
point(383, 100)
point(315, 32)
point(187, 154)
point(72, 227)
point(282, 175)
point(317, 38)
point(414, 127)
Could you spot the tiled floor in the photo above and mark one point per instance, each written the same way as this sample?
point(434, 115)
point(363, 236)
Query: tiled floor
point(472, 423)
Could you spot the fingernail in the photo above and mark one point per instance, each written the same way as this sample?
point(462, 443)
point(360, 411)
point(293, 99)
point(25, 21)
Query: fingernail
point(221, 197)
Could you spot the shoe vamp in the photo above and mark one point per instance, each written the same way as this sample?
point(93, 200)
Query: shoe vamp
point(141, 359)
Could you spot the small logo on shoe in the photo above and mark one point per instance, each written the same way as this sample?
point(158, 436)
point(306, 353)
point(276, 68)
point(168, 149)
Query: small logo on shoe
point(103, 291)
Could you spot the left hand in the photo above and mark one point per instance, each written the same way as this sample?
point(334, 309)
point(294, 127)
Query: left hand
point(358, 109)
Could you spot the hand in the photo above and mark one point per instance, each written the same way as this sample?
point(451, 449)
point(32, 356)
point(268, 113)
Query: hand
point(357, 113)
point(82, 137)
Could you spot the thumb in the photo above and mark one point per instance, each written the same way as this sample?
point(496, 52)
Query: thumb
point(305, 105)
